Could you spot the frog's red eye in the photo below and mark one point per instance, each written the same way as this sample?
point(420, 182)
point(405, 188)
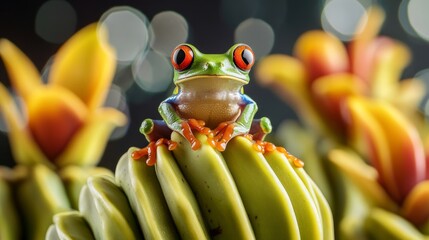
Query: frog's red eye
point(182, 57)
point(243, 57)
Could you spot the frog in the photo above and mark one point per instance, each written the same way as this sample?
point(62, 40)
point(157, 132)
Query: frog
point(208, 98)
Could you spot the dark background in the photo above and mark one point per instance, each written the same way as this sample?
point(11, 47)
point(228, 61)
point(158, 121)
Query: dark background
point(208, 30)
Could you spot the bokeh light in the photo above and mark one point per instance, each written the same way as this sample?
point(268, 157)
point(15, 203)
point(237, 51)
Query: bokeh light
point(152, 72)
point(55, 21)
point(128, 31)
point(116, 99)
point(418, 17)
point(342, 18)
point(403, 18)
point(170, 29)
point(258, 34)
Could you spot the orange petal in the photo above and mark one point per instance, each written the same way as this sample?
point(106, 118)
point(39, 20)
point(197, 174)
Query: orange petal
point(24, 149)
point(416, 205)
point(392, 144)
point(321, 53)
point(23, 75)
point(88, 144)
point(330, 92)
point(85, 65)
point(55, 115)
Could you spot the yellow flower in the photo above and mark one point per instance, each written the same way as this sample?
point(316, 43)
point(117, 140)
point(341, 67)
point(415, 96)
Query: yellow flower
point(354, 96)
point(323, 73)
point(66, 121)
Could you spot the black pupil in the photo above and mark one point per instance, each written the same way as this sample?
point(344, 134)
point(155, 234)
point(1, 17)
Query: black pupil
point(247, 56)
point(179, 56)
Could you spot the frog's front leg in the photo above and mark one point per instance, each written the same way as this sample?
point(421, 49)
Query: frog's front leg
point(180, 125)
point(156, 133)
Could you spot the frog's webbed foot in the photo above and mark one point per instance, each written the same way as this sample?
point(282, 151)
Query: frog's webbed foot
point(225, 131)
point(157, 133)
point(193, 124)
point(222, 134)
point(260, 128)
point(150, 150)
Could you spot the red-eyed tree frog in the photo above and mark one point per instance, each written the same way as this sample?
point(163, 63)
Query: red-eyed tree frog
point(208, 98)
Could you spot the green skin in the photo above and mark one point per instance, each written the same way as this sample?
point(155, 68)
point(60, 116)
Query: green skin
point(211, 89)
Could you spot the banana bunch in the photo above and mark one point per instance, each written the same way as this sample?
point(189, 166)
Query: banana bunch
point(200, 194)
point(30, 195)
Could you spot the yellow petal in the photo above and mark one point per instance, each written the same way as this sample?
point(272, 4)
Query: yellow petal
point(363, 176)
point(392, 145)
point(24, 149)
point(390, 60)
point(288, 78)
point(23, 75)
point(361, 51)
point(416, 205)
point(321, 53)
point(88, 145)
point(85, 64)
point(54, 116)
point(330, 92)
point(409, 95)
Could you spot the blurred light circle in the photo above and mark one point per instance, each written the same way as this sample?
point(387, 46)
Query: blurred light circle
point(128, 31)
point(342, 18)
point(152, 72)
point(403, 18)
point(116, 99)
point(170, 29)
point(258, 34)
point(123, 76)
point(55, 21)
point(419, 17)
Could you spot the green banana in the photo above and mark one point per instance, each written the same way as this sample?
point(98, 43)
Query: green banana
point(69, 226)
point(305, 208)
point(180, 199)
point(381, 224)
point(214, 188)
point(9, 226)
point(201, 194)
point(106, 209)
point(74, 178)
point(144, 193)
point(267, 203)
point(40, 194)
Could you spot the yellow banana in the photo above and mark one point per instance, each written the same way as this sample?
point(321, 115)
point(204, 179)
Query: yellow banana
point(214, 188)
point(267, 203)
point(180, 199)
point(140, 184)
point(307, 212)
point(69, 226)
point(106, 209)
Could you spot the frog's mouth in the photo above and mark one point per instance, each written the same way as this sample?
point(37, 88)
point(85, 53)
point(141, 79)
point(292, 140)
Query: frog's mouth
point(212, 79)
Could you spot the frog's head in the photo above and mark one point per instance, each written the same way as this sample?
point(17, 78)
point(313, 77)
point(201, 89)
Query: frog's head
point(191, 64)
